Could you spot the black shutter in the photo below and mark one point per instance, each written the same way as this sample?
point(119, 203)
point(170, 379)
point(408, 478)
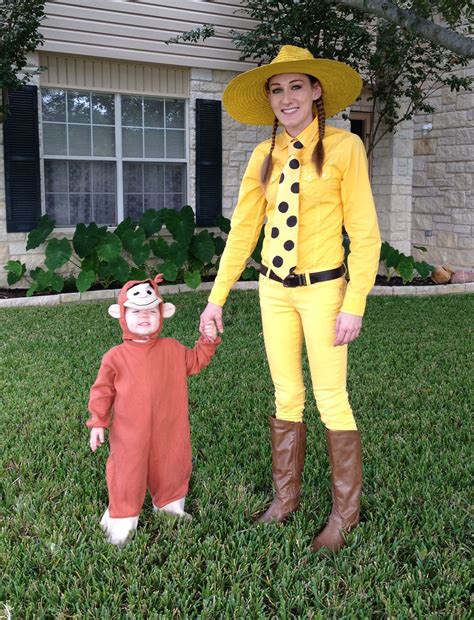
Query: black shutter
point(22, 170)
point(208, 161)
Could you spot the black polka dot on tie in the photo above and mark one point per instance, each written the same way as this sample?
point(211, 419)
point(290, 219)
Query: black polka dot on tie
point(289, 245)
point(283, 207)
point(282, 177)
point(275, 233)
point(298, 145)
point(292, 220)
point(277, 261)
point(295, 188)
point(294, 163)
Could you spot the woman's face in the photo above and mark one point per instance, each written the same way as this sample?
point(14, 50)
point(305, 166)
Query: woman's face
point(291, 97)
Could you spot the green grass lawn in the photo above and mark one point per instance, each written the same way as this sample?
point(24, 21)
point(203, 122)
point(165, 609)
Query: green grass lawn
point(411, 390)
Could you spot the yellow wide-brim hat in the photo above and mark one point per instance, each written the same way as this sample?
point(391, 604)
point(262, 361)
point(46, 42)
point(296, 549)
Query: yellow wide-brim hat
point(245, 97)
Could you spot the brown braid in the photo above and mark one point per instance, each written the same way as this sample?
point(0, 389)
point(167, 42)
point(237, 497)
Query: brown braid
point(267, 165)
point(318, 153)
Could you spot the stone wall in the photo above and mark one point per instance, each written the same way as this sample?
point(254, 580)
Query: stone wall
point(443, 189)
point(392, 186)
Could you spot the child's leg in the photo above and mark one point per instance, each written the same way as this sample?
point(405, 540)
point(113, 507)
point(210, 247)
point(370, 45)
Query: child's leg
point(126, 482)
point(126, 475)
point(170, 460)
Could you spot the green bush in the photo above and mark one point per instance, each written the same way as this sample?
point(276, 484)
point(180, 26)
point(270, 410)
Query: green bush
point(405, 266)
point(131, 251)
point(137, 251)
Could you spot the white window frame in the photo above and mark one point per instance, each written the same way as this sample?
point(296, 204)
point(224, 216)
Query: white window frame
point(118, 159)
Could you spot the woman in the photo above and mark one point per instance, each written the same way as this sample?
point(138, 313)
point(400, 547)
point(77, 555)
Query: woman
point(307, 182)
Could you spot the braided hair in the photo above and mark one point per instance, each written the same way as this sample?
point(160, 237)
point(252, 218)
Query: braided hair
point(318, 153)
point(267, 165)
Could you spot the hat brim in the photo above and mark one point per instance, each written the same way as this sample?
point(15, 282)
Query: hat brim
point(245, 97)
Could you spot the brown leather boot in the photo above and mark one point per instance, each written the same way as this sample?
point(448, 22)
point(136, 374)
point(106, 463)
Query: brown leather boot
point(288, 451)
point(345, 457)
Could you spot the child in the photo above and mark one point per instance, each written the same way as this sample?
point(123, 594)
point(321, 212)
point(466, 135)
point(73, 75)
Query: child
point(141, 395)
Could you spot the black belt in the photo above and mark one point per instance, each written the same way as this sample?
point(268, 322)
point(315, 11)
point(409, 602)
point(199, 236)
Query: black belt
point(300, 279)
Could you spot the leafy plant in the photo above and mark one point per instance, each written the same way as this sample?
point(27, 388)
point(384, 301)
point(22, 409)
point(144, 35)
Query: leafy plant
point(19, 24)
point(131, 251)
point(404, 266)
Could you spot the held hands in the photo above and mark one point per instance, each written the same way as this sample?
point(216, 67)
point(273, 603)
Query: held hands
point(210, 331)
point(348, 328)
point(212, 314)
point(96, 438)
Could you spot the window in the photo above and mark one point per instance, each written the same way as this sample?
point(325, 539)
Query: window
point(107, 157)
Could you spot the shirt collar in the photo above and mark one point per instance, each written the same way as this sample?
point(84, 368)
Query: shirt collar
point(308, 135)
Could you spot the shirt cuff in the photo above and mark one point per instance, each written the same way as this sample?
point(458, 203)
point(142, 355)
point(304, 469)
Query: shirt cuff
point(218, 296)
point(354, 303)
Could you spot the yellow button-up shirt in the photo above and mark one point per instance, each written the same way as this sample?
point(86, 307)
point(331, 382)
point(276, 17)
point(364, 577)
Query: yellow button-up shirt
point(340, 196)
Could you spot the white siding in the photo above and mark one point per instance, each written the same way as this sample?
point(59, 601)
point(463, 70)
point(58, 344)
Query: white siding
point(137, 31)
point(113, 76)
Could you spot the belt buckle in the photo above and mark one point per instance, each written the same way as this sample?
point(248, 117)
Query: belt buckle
point(294, 279)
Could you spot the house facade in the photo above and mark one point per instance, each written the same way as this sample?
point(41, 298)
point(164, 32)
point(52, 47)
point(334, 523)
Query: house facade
point(120, 121)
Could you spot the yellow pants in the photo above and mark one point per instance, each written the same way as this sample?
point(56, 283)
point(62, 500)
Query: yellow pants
point(289, 316)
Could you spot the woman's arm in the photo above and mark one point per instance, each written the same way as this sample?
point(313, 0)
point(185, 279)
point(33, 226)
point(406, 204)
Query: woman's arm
point(246, 224)
point(360, 221)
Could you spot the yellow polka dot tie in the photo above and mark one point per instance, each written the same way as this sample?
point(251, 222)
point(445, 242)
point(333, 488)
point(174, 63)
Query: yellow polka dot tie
point(283, 247)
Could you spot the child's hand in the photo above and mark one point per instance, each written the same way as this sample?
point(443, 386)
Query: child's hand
point(96, 439)
point(210, 330)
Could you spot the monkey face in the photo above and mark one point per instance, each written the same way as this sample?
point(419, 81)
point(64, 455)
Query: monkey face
point(141, 296)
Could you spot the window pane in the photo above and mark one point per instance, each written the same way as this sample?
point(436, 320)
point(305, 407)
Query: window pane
point(104, 209)
point(132, 111)
point(103, 110)
point(53, 105)
point(55, 176)
point(154, 201)
point(132, 142)
point(57, 208)
point(104, 141)
point(132, 178)
point(54, 139)
point(133, 206)
point(80, 176)
point(154, 112)
point(175, 147)
point(104, 177)
point(174, 201)
point(78, 106)
point(154, 143)
point(80, 140)
point(154, 178)
point(80, 208)
point(174, 178)
point(175, 114)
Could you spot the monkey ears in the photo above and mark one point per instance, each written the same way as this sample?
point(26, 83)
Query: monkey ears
point(168, 310)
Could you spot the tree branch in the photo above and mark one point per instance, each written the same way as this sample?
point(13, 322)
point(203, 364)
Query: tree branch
point(463, 46)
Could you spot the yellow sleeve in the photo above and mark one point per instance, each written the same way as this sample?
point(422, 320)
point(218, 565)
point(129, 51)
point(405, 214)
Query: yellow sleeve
point(360, 222)
point(246, 224)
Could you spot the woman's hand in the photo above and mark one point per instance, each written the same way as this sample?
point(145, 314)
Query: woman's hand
point(212, 313)
point(348, 327)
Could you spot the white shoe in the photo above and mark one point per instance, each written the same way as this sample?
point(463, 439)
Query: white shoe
point(118, 531)
point(175, 508)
